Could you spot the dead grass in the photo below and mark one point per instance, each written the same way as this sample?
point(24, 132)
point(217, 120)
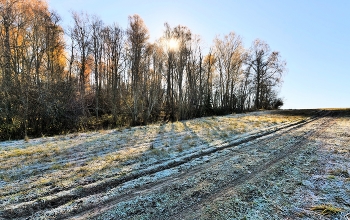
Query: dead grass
point(340, 172)
point(326, 209)
point(187, 137)
point(179, 148)
point(22, 152)
point(158, 152)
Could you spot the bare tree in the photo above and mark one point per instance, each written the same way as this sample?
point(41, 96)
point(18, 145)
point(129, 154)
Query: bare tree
point(266, 68)
point(81, 35)
point(194, 75)
point(183, 36)
point(7, 16)
point(138, 36)
point(97, 50)
point(229, 59)
point(152, 90)
point(169, 53)
point(114, 60)
point(209, 68)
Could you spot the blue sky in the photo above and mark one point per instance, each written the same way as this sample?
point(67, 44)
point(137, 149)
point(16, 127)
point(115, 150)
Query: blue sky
point(313, 36)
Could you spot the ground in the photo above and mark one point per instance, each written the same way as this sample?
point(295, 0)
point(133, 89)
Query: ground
point(287, 164)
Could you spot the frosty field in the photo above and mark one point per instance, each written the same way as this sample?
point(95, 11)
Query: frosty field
point(286, 164)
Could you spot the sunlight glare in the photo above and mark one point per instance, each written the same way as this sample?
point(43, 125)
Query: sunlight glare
point(173, 44)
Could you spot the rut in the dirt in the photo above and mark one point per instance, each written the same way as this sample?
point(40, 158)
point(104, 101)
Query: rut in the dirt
point(255, 170)
point(29, 208)
point(259, 169)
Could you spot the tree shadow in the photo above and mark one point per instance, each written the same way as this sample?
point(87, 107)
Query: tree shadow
point(331, 112)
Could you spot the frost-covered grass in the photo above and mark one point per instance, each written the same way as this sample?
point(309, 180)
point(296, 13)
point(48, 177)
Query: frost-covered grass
point(37, 168)
point(313, 184)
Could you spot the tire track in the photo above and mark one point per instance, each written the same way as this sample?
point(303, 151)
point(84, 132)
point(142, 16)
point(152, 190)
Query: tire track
point(258, 170)
point(149, 188)
point(28, 208)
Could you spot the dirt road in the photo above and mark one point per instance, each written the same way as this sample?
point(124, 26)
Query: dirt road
point(295, 171)
point(281, 175)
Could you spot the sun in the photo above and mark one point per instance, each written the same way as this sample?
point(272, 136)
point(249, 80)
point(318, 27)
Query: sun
point(170, 44)
point(173, 44)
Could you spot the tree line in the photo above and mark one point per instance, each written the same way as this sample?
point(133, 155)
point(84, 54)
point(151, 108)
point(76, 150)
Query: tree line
point(94, 75)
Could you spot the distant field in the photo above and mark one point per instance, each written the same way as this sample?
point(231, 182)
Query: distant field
point(268, 164)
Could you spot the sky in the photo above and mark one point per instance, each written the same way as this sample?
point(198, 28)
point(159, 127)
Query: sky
point(312, 36)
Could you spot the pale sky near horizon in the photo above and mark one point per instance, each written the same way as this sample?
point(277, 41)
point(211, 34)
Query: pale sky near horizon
point(313, 36)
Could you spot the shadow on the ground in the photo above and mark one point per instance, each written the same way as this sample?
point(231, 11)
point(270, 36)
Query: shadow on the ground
point(334, 112)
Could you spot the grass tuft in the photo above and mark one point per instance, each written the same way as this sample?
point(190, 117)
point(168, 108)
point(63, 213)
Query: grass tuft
point(179, 148)
point(340, 172)
point(56, 166)
point(187, 137)
point(326, 209)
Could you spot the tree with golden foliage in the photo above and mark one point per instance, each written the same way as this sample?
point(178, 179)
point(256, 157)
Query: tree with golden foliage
point(32, 67)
